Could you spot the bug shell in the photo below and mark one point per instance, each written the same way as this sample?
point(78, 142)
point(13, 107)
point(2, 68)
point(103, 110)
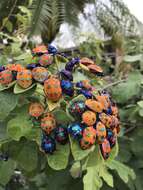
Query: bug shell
point(40, 74)
point(36, 109)
point(67, 75)
point(48, 144)
point(95, 69)
point(77, 108)
point(84, 144)
point(104, 100)
point(24, 78)
point(86, 61)
point(115, 122)
point(105, 149)
point(52, 89)
point(105, 119)
point(101, 132)
point(111, 137)
point(46, 60)
point(40, 50)
point(86, 84)
point(48, 123)
point(67, 87)
point(115, 110)
point(15, 67)
point(61, 135)
point(86, 93)
point(89, 134)
point(94, 105)
point(89, 118)
point(6, 77)
point(75, 130)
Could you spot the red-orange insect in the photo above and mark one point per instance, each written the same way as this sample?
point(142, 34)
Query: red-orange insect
point(36, 109)
point(15, 67)
point(6, 77)
point(86, 61)
point(105, 148)
point(40, 49)
point(89, 134)
point(104, 100)
point(95, 69)
point(89, 118)
point(94, 105)
point(46, 60)
point(52, 89)
point(24, 78)
point(48, 123)
point(105, 119)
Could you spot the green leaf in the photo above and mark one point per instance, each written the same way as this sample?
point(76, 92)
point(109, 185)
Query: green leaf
point(20, 125)
point(132, 58)
point(18, 89)
point(52, 105)
point(140, 103)
point(2, 87)
point(75, 170)
point(8, 102)
point(25, 153)
point(114, 152)
point(125, 91)
point(91, 180)
point(77, 152)
point(61, 116)
point(78, 76)
point(108, 178)
point(59, 160)
point(123, 171)
point(95, 158)
point(141, 112)
point(6, 171)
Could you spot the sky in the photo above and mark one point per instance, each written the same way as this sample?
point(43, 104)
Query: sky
point(136, 8)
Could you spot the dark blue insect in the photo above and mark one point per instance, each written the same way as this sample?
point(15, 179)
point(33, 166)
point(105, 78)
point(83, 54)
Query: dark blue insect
point(75, 130)
point(67, 87)
point(70, 65)
point(52, 49)
point(66, 75)
point(48, 144)
point(61, 135)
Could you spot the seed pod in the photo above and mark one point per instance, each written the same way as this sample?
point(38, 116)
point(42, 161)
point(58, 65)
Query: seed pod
point(24, 78)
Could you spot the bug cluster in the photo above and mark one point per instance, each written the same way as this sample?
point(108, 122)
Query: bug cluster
point(95, 118)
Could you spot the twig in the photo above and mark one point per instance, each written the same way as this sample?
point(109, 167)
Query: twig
point(113, 84)
point(10, 13)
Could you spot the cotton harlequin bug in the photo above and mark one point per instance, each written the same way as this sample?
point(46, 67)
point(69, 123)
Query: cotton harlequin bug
point(76, 109)
point(61, 135)
point(36, 109)
point(94, 105)
point(48, 123)
point(105, 119)
point(6, 77)
point(75, 130)
point(89, 134)
point(105, 149)
point(48, 144)
point(40, 74)
point(95, 69)
point(101, 132)
point(15, 67)
point(86, 61)
point(46, 60)
point(24, 78)
point(40, 50)
point(89, 118)
point(52, 89)
point(104, 100)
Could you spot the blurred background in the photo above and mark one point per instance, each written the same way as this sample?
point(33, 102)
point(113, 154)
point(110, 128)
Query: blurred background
point(108, 31)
